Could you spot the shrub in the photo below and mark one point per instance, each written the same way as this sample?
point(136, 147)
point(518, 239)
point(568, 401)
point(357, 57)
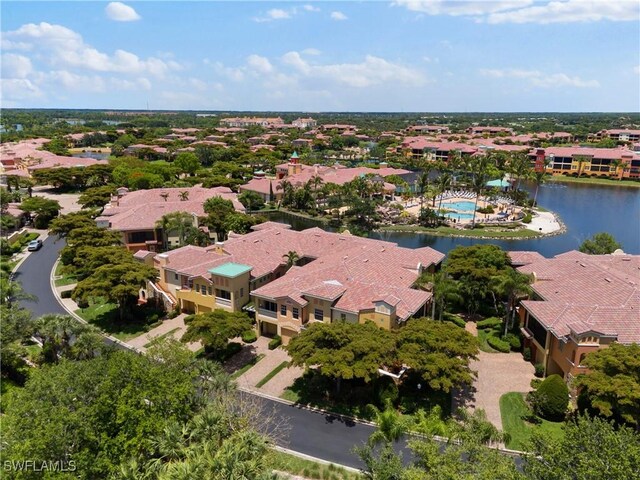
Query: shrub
point(232, 349)
point(450, 317)
point(535, 383)
point(489, 323)
point(498, 344)
point(514, 341)
point(386, 391)
point(539, 370)
point(275, 342)
point(487, 209)
point(249, 336)
point(526, 354)
point(174, 313)
point(527, 218)
point(66, 293)
point(551, 398)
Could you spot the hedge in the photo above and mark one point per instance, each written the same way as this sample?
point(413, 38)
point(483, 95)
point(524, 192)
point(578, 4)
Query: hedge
point(498, 344)
point(66, 293)
point(514, 341)
point(249, 336)
point(527, 218)
point(489, 323)
point(450, 317)
point(551, 398)
point(275, 342)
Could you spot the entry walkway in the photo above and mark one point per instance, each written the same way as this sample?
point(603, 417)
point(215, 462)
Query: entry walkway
point(176, 324)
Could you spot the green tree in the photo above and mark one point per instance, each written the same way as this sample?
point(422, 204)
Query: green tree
point(187, 162)
point(215, 329)
point(88, 236)
point(97, 197)
point(101, 411)
point(590, 449)
point(117, 283)
point(480, 170)
point(239, 223)
point(292, 258)
point(217, 210)
point(62, 225)
point(177, 223)
point(600, 244)
point(251, 200)
point(439, 352)
point(612, 386)
point(512, 285)
point(44, 210)
point(343, 351)
point(88, 259)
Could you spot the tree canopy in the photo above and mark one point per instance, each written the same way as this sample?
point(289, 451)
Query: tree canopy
point(600, 244)
point(214, 329)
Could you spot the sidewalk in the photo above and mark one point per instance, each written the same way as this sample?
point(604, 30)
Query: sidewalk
point(167, 325)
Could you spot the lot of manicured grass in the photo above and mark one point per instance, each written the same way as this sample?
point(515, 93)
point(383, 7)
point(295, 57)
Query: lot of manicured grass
point(272, 374)
point(105, 317)
point(285, 462)
point(594, 181)
point(513, 411)
point(250, 364)
point(501, 231)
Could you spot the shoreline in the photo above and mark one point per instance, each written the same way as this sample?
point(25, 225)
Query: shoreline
point(598, 181)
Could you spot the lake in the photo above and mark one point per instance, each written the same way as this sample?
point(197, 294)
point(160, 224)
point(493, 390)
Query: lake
point(585, 210)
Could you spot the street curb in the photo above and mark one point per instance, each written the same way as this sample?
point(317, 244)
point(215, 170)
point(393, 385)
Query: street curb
point(78, 317)
point(25, 254)
point(313, 459)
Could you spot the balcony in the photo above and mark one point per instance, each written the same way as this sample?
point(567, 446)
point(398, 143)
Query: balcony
point(267, 313)
point(223, 302)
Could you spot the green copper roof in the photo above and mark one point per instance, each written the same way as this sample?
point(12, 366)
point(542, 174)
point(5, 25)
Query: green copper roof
point(230, 270)
point(498, 183)
point(295, 155)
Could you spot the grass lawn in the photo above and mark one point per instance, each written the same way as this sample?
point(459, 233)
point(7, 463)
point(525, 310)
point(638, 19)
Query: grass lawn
point(65, 280)
point(250, 364)
point(272, 374)
point(159, 338)
point(513, 410)
point(486, 231)
point(285, 462)
point(594, 181)
point(105, 317)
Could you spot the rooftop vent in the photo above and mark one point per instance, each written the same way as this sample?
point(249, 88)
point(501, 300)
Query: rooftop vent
point(607, 280)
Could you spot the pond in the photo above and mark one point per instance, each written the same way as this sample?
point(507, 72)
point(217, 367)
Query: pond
point(94, 155)
point(585, 210)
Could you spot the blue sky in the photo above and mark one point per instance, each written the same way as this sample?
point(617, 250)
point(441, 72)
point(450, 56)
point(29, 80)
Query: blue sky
point(404, 55)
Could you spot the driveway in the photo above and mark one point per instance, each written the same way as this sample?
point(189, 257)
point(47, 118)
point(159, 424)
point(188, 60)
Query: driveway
point(498, 373)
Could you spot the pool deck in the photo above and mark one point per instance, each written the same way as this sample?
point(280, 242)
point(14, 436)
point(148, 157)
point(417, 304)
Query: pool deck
point(414, 209)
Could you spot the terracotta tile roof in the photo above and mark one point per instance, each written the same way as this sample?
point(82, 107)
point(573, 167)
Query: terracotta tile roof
point(584, 293)
point(523, 257)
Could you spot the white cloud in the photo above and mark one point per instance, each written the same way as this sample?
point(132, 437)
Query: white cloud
point(372, 71)
point(120, 12)
point(63, 48)
point(310, 8)
point(15, 66)
point(540, 79)
point(462, 7)
point(571, 11)
point(338, 16)
point(274, 14)
point(636, 69)
point(259, 64)
point(73, 81)
point(311, 51)
point(17, 89)
point(235, 74)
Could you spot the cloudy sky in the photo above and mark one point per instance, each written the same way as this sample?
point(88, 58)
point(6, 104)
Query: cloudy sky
point(403, 55)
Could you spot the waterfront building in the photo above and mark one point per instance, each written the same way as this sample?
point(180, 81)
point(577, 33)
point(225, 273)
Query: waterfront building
point(587, 161)
point(619, 135)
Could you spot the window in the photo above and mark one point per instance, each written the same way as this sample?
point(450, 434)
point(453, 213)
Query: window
point(283, 310)
point(295, 313)
point(271, 306)
point(343, 317)
point(223, 294)
point(318, 314)
point(203, 289)
point(175, 276)
point(210, 291)
point(241, 292)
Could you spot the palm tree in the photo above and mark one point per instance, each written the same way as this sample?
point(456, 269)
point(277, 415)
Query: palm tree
point(175, 221)
point(184, 195)
point(164, 195)
point(520, 166)
point(423, 182)
point(619, 165)
point(480, 171)
point(88, 344)
point(287, 192)
point(391, 425)
point(512, 285)
point(539, 179)
point(444, 182)
point(56, 332)
point(292, 257)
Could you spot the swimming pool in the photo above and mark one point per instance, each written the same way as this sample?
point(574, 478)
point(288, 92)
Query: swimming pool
point(462, 206)
point(459, 216)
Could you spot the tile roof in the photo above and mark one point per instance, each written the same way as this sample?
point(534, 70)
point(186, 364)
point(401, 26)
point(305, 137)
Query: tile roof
point(524, 257)
point(582, 293)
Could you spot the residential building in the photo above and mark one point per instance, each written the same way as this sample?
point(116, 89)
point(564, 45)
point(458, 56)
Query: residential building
point(434, 129)
point(252, 122)
point(587, 161)
point(136, 214)
point(425, 148)
point(621, 135)
point(478, 130)
point(304, 123)
point(580, 303)
point(336, 277)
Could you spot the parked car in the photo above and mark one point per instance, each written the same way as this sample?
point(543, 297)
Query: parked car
point(34, 245)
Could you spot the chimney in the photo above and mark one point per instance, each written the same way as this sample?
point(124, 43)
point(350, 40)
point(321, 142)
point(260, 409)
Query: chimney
point(219, 248)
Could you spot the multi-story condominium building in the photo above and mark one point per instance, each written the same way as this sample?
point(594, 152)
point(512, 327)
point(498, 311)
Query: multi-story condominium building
point(478, 130)
point(580, 303)
point(304, 123)
point(335, 277)
point(424, 148)
point(434, 129)
point(136, 214)
point(587, 161)
point(252, 122)
point(622, 135)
